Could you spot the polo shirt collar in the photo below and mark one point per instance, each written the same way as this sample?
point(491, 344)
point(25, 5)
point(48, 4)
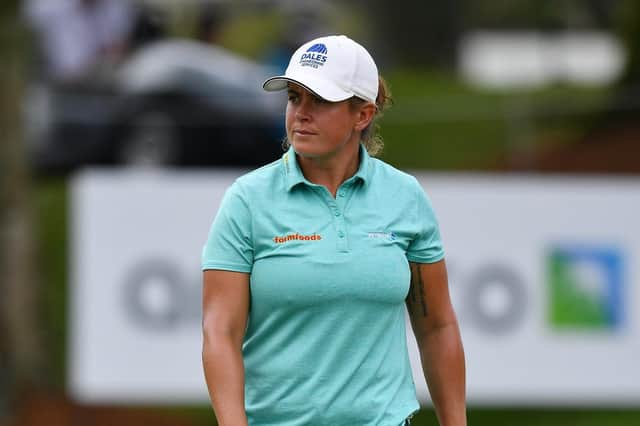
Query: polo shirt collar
point(293, 174)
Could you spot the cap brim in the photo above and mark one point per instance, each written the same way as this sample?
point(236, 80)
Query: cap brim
point(319, 87)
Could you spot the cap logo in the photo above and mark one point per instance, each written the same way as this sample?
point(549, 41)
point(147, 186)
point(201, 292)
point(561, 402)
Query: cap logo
point(318, 47)
point(315, 56)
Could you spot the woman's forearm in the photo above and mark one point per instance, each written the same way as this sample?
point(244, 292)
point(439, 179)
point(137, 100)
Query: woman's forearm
point(443, 365)
point(224, 373)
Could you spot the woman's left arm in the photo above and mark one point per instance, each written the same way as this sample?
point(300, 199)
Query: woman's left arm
point(436, 330)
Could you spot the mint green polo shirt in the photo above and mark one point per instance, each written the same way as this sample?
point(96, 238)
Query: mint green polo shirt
point(325, 342)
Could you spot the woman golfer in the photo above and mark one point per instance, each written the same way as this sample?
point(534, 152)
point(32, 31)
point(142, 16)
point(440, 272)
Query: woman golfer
point(311, 260)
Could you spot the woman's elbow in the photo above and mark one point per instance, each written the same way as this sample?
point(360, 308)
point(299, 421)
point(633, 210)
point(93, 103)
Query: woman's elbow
point(216, 335)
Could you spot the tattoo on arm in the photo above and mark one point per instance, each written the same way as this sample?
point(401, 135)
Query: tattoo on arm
point(417, 290)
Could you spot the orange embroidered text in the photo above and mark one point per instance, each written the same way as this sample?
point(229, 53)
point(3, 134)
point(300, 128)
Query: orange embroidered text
point(296, 237)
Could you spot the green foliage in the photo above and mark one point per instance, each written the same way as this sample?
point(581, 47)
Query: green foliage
point(439, 123)
point(9, 9)
point(11, 38)
point(629, 30)
point(540, 14)
point(252, 33)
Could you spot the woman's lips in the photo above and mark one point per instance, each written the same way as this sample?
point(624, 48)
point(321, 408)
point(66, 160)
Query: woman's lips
point(303, 132)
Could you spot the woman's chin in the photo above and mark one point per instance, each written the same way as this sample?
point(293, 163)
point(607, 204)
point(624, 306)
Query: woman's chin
point(306, 149)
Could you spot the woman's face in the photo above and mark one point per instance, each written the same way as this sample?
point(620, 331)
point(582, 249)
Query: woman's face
point(318, 128)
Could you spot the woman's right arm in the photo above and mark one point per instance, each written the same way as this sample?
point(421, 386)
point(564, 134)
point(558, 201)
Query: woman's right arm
point(225, 308)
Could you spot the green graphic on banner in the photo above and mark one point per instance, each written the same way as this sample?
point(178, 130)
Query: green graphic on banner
point(584, 285)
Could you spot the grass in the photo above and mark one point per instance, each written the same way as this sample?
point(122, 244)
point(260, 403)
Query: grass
point(50, 202)
point(491, 417)
point(546, 417)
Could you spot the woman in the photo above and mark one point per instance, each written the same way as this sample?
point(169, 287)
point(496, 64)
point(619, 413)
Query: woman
point(311, 259)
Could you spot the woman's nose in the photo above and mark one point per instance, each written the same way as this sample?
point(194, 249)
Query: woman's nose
point(303, 111)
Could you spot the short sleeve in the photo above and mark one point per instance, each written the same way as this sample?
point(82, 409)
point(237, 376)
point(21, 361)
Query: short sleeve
point(426, 247)
point(229, 246)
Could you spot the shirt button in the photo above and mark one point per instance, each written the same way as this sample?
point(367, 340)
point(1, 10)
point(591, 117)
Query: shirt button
point(341, 194)
point(340, 234)
point(337, 213)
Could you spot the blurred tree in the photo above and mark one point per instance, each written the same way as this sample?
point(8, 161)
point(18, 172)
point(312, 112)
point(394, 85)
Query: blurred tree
point(521, 15)
point(416, 32)
point(624, 21)
point(602, 11)
point(546, 15)
point(21, 351)
point(624, 108)
point(629, 23)
point(426, 32)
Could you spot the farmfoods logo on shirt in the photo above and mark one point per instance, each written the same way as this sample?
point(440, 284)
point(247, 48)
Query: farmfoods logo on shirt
point(585, 287)
point(296, 237)
point(315, 56)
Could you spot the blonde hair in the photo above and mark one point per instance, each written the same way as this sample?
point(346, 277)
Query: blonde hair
point(370, 137)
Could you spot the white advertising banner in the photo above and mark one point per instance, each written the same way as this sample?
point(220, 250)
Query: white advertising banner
point(543, 274)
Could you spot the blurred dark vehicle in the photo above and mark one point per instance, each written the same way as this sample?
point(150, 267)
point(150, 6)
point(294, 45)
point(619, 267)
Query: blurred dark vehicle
point(175, 102)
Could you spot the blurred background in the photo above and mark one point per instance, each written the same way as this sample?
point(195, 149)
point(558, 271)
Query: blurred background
point(115, 101)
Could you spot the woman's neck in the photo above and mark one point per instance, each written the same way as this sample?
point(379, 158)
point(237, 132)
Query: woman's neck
point(332, 170)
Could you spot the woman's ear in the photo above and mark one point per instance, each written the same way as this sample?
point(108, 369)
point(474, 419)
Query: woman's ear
point(365, 116)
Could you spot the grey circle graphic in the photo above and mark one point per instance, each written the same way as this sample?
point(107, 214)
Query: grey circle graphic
point(500, 278)
point(165, 278)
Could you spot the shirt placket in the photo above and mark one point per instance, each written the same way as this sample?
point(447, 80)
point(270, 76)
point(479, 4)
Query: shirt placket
point(339, 206)
point(336, 209)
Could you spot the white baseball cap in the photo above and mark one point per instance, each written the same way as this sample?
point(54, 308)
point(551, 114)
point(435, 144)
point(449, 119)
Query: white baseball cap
point(334, 67)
